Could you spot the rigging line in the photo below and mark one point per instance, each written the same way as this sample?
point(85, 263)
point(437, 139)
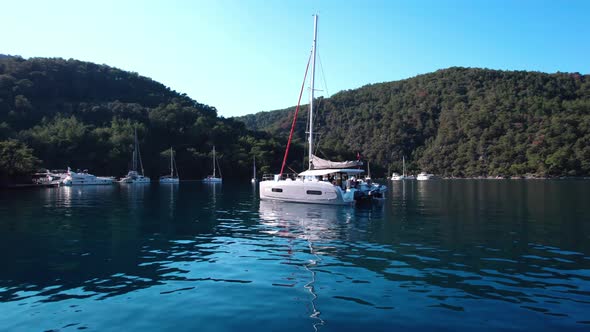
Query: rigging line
point(295, 117)
point(140, 162)
point(218, 167)
point(323, 75)
point(317, 145)
point(175, 166)
point(316, 120)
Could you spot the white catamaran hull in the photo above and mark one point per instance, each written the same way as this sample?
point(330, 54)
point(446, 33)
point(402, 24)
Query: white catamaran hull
point(300, 191)
point(133, 178)
point(169, 180)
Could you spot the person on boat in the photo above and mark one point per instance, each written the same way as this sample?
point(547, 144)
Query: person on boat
point(352, 182)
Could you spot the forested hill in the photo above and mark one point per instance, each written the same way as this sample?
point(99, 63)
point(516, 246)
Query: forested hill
point(56, 113)
point(456, 122)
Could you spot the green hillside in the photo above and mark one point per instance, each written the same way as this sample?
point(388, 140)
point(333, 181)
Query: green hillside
point(56, 113)
point(456, 122)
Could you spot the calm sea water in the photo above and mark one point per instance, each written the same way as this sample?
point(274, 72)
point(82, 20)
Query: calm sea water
point(509, 255)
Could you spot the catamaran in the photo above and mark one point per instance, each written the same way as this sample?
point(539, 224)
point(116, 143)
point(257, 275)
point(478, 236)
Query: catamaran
point(324, 182)
point(213, 178)
point(171, 178)
point(133, 176)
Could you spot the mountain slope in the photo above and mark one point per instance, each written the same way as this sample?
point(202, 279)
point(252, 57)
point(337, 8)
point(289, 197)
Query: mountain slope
point(80, 114)
point(457, 122)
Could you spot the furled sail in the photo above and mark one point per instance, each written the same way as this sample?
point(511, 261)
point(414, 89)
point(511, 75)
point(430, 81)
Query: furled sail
point(319, 163)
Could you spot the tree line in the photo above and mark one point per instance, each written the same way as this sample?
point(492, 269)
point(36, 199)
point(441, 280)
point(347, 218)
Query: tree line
point(56, 113)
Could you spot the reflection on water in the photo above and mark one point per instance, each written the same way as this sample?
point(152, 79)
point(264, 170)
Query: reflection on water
point(311, 222)
point(315, 224)
point(497, 255)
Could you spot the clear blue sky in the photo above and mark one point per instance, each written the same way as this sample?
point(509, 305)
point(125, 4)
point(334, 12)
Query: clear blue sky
point(246, 56)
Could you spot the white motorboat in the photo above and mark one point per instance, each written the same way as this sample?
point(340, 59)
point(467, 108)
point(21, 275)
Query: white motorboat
point(171, 178)
point(133, 176)
point(84, 179)
point(396, 177)
point(213, 178)
point(50, 178)
point(425, 176)
point(325, 182)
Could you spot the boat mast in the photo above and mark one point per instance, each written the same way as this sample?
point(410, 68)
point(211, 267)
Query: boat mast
point(404, 166)
point(171, 166)
point(139, 154)
point(134, 161)
point(313, 51)
point(213, 161)
point(254, 171)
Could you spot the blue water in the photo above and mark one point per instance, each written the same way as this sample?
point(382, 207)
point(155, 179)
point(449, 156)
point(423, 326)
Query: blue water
point(461, 255)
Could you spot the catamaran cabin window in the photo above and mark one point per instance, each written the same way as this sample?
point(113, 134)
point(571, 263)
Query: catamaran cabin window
point(314, 192)
point(277, 190)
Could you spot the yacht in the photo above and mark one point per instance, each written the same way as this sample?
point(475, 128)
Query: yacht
point(133, 175)
point(84, 179)
point(213, 178)
point(425, 176)
point(171, 178)
point(325, 181)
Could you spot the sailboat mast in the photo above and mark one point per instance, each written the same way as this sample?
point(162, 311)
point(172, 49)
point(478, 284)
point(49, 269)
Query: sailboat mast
point(313, 51)
point(134, 161)
point(214, 161)
point(254, 171)
point(171, 166)
point(404, 166)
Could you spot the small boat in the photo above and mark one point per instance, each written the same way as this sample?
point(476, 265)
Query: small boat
point(213, 178)
point(425, 176)
point(133, 175)
point(84, 179)
point(49, 178)
point(254, 171)
point(171, 178)
point(396, 177)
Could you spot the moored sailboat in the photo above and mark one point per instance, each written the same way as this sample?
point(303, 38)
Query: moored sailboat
point(213, 178)
point(172, 178)
point(403, 176)
point(133, 175)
